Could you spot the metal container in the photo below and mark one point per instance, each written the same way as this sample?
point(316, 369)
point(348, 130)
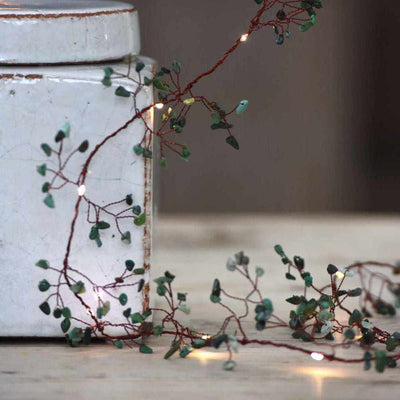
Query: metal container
point(53, 54)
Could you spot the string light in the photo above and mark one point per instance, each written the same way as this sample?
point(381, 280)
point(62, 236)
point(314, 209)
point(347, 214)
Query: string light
point(317, 356)
point(81, 190)
point(244, 37)
point(180, 334)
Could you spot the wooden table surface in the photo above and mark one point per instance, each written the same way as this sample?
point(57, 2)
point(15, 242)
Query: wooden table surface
point(196, 248)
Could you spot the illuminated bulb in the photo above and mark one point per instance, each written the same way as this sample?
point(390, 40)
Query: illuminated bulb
point(160, 106)
point(81, 190)
point(317, 356)
point(244, 37)
point(339, 275)
point(206, 337)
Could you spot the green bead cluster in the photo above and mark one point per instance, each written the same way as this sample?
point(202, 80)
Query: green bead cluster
point(216, 292)
point(62, 134)
point(94, 233)
point(163, 282)
point(310, 7)
point(263, 313)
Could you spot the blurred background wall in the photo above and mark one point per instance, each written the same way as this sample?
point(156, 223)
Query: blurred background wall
point(321, 132)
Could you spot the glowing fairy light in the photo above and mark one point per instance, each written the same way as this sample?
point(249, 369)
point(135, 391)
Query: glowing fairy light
point(340, 275)
point(159, 106)
point(244, 37)
point(358, 337)
point(81, 190)
point(317, 356)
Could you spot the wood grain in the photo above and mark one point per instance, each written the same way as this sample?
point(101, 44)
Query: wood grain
point(196, 248)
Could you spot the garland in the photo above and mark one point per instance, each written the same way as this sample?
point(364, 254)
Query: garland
point(313, 319)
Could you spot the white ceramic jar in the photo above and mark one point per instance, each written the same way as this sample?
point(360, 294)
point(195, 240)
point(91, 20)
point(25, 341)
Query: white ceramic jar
point(52, 55)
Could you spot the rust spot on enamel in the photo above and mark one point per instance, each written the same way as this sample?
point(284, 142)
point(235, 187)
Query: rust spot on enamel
point(146, 297)
point(13, 76)
point(147, 209)
point(65, 15)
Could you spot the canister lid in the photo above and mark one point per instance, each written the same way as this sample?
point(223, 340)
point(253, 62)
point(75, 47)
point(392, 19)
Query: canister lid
point(67, 31)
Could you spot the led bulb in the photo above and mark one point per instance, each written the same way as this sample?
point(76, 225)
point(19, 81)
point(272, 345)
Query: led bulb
point(339, 275)
point(317, 356)
point(81, 190)
point(244, 37)
point(160, 106)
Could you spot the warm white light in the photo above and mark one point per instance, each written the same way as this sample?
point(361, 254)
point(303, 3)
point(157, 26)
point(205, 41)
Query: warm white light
point(320, 374)
point(317, 356)
point(206, 337)
point(205, 356)
point(339, 275)
point(244, 37)
point(81, 190)
point(160, 106)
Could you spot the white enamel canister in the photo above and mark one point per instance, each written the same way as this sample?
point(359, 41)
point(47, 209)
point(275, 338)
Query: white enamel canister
point(52, 59)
